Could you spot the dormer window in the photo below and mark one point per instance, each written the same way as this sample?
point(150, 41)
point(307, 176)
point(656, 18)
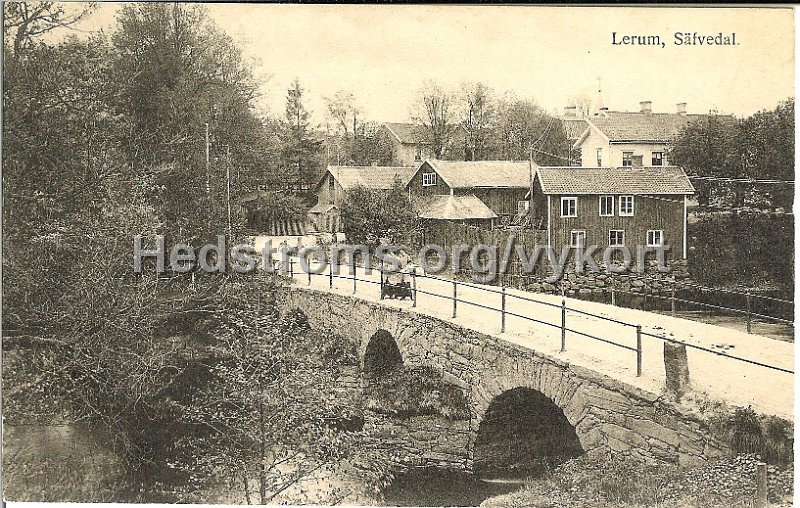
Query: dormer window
point(627, 159)
point(658, 159)
point(428, 179)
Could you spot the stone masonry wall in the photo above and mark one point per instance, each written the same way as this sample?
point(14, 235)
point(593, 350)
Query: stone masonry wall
point(609, 416)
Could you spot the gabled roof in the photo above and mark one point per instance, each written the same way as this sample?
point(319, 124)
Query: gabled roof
point(451, 207)
point(408, 133)
point(624, 127)
point(322, 208)
point(644, 180)
point(371, 177)
point(472, 174)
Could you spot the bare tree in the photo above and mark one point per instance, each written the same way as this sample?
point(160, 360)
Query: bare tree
point(24, 21)
point(435, 111)
point(478, 116)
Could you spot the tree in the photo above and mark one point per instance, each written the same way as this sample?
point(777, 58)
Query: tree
point(374, 214)
point(301, 149)
point(478, 120)
point(266, 413)
point(435, 111)
point(23, 22)
point(766, 144)
point(708, 147)
point(526, 131)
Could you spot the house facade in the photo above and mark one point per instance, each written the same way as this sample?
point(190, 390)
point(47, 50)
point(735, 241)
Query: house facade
point(631, 139)
point(409, 142)
point(612, 207)
point(332, 188)
point(484, 193)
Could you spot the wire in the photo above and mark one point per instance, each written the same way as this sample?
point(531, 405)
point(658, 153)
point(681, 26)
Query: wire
point(740, 180)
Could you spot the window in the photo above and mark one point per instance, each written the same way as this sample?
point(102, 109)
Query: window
point(658, 158)
point(599, 157)
point(606, 206)
point(626, 206)
point(627, 158)
point(569, 207)
point(616, 237)
point(655, 238)
point(578, 238)
point(428, 179)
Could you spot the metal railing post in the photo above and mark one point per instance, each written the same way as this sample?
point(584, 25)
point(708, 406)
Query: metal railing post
point(455, 297)
point(563, 325)
point(638, 350)
point(308, 268)
point(413, 289)
point(749, 311)
point(354, 275)
point(503, 311)
point(291, 268)
point(330, 274)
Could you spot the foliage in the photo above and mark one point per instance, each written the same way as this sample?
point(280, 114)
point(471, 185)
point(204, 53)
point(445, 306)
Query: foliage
point(373, 214)
point(268, 414)
point(743, 249)
point(759, 147)
point(435, 110)
point(272, 207)
point(769, 437)
point(300, 146)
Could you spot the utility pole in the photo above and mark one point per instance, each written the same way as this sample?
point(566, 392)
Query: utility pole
point(228, 178)
point(208, 163)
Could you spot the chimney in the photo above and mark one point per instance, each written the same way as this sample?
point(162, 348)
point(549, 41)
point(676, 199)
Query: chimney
point(681, 108)
point(570, 111)
point(646, 107)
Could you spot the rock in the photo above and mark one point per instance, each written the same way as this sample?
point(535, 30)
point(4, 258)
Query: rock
point(676, 367)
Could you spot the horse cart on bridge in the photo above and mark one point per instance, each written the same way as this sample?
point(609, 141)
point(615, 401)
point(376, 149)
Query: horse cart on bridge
point(398, 283)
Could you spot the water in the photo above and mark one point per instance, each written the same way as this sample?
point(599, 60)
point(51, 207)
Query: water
point(441, 487)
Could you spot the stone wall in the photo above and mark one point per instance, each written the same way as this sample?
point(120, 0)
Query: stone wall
point(609, 416)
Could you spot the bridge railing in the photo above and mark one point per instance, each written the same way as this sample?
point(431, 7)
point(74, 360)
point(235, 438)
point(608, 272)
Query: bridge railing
point(504, 312)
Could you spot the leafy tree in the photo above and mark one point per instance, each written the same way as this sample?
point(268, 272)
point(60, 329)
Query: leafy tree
point(267, 414)
point(373, 214)
point(708, 147)
point(766, 143)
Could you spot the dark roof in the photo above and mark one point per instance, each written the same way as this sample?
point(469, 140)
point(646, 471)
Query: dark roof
point(286, 228)
point(451, 207)
point(574, 127)
point(408, 133)
point(645, 180)
point(621, 127)
point(472, 174)
point(371, 177)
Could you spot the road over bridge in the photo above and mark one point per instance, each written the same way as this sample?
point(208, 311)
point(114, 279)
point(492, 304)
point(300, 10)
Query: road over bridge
point(612, 402)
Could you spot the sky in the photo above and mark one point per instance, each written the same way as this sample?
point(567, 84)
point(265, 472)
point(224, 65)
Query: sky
point(383, 54)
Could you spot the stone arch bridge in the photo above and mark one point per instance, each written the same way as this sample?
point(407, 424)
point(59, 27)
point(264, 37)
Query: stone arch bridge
point(607, 415)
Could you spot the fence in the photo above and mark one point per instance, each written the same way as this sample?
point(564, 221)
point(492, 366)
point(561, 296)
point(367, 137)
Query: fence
point(674, 294)
point(504, 312)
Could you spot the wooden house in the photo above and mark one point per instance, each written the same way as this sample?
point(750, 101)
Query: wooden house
point(634, 207)
point(483, 193)
point(332, 188)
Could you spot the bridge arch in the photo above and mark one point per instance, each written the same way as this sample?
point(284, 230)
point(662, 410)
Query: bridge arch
point(382, 354)
point(523, 431)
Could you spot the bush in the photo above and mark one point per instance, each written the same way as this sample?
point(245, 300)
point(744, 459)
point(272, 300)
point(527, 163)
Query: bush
point(768, 437)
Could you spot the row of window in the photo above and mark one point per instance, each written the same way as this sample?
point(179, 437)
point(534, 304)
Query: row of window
point(656, 158)
point(616, 238)
point(569, 206)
